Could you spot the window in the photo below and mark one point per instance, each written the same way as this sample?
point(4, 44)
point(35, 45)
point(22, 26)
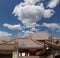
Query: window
point(24, 54)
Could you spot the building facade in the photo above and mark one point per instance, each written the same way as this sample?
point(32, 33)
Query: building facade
point(38, 45)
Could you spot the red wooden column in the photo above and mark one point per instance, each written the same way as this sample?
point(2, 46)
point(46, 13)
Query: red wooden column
point(53, 55)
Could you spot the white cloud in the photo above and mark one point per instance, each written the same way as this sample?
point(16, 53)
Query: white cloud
point(52, 25)
point(53, 3)
point(31, 1)
point(13, 27)
point(34, 29)
point(29, 13)
point(3, 33)
point(25, 33)
point(48, 13)
point(28, 32)
point(33, 25)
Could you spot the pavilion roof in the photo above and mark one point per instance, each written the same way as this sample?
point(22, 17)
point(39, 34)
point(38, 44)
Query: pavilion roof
point(5, 39)
point(27, 43)
point(43, 35)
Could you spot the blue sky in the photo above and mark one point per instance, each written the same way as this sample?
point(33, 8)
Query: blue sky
point(23, 17)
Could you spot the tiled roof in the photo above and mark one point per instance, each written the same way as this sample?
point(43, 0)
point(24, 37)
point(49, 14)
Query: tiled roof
point(27, 43)
point(5, 39)
point(54, 37)
point(22, 42)
point(41, 35)
point(7, 47)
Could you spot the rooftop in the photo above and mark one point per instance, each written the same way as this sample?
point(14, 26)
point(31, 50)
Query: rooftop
point(28, 42)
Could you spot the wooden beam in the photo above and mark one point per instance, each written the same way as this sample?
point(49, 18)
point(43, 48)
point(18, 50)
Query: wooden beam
point(52, 44)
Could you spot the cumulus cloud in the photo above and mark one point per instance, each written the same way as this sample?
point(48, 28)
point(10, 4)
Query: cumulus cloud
point(30, 31)
point(3, 33)
point(29, 13)
point(48, 13)
point(52, 25)
point(33, 25)
point(31, 1)
point(13, 27)
point(53, 3)
point(34, 29)
point(26, 33)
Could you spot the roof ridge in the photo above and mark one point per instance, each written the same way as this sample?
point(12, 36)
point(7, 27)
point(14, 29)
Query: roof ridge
point(36, 42)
